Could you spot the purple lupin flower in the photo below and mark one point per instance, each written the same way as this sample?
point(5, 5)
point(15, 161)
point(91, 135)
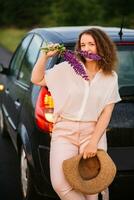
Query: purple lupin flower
point(89, 55)
point(70, 57)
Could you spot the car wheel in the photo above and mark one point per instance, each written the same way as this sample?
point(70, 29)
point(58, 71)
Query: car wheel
point(3, 131)
point(27, 187)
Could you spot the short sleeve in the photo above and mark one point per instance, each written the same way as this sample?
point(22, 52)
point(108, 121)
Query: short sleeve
point(113, 96)
point(57, 80)
point(56, 75)
point(51, 75)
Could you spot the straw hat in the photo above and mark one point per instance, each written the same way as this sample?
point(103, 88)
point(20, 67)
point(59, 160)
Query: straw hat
point(92, 175)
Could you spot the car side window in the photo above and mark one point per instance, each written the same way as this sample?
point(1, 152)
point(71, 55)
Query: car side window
point(29, 60)
point(19, 54)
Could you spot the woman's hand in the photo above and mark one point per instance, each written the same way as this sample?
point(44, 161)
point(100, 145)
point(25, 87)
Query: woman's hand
point(90, 150)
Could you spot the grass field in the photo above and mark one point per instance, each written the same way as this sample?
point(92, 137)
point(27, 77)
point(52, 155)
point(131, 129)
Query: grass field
point(10, 37)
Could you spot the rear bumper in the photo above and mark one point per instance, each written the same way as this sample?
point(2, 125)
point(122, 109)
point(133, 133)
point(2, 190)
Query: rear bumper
point(122, 186)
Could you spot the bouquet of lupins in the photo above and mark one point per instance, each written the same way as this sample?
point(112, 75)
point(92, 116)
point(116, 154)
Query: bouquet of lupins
point(71, 57)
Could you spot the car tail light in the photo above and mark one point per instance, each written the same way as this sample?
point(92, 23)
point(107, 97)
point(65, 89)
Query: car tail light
point(44, 110)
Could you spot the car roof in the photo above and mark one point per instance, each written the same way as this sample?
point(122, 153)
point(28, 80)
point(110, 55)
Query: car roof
point(70, 33)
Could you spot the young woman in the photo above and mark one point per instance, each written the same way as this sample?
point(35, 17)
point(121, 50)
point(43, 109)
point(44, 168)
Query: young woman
point(83, 106)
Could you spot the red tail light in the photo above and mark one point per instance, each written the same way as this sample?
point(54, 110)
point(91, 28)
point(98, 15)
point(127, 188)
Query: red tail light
point(44, 110)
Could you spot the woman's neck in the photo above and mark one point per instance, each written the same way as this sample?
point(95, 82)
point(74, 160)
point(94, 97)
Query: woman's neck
point(92, 66)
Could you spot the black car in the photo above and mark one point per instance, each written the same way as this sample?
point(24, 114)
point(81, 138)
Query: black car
point(26, 111)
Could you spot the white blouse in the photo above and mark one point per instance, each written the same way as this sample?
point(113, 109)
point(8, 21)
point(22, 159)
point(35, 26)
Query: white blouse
point(78, 99)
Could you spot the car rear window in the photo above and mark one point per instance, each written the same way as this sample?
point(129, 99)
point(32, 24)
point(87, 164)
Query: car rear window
point(125, 68)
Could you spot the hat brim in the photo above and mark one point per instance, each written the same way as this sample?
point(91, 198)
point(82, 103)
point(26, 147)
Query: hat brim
point(95, 185)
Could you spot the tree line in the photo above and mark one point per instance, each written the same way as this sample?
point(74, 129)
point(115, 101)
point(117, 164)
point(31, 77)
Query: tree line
point(46, 13)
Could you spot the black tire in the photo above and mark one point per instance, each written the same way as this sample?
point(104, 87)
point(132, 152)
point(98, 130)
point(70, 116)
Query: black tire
point(27, 186)
point(3, 130)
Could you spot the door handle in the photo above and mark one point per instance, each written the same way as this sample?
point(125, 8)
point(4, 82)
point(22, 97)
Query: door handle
point(7, 91)
point(17, 103)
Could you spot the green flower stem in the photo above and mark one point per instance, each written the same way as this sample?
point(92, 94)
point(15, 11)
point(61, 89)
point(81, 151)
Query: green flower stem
point(59, 47)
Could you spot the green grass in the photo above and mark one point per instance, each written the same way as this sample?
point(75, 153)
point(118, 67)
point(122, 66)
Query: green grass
point(10, 37)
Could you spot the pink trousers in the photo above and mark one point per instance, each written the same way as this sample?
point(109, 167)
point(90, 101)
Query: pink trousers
point(69, 138)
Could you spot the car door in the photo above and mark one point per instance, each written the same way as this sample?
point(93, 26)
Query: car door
point(24, 76)
point(19, 80)
point(13, 93)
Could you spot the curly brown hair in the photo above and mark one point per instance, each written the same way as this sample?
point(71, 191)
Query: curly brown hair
point(105, 48)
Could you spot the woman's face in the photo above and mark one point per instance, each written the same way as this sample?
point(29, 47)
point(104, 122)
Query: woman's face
point(87, 43)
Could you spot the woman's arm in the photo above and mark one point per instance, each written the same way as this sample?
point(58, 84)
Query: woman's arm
point(38, 73)
point(103, 121)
